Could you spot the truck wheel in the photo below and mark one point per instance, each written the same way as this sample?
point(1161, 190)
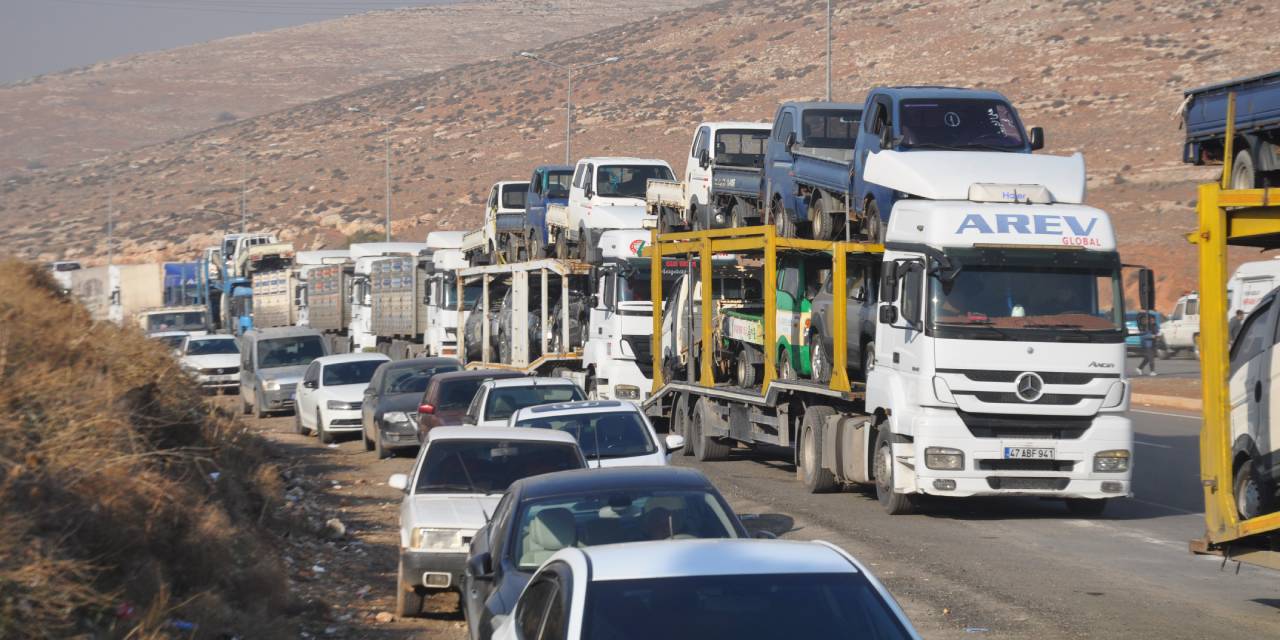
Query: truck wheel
point(680, 422)
point(1251, 498)
point(1086, 507)
point(325, 436)
point(584, 245)
point(868, 359)
point(872, 225)
point(894, 503)
point(705, 449)
point(536, 250)
point(809, 468)
point(782, 222)
point(1242, 173)
point(822, 225)
point(739, 215)
point(786, 368)
point(694, 218)
point(1195, 345)
point(745, 371)
point(593, 388)
point(819, 363)
point(560, 246)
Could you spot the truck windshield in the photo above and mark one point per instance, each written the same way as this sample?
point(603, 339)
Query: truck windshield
point(470, 293)
point(178, 321)
point(628, 181)
point(513, 196)
point(740, 147)
point(289, 352)
point(1045, 299)
point(830, 128)
point(556, 184)
point(634, 286)
point(960, 124)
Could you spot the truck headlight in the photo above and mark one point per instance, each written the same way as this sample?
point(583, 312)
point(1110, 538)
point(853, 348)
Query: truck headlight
point(1111, 461)
point(626, 392)
point(271, 385)
point(427, 539)
point(339, 405)
point(944, 459)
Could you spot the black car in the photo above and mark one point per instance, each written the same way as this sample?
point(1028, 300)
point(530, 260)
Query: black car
point(540, 515)
point(389, 411)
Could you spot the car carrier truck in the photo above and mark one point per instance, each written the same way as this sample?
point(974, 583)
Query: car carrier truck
point(998, 354)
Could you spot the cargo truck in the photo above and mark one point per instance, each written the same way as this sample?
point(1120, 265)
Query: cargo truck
point(329, 304)
point(269, 268)
point(549, 185)
point(501, 238)
point(721, 185)
point(443, 317)
point(304, 262)
point(360, 333)
point(999, 348)
point(119, 292)
point(1255, 137)
point(606, 193)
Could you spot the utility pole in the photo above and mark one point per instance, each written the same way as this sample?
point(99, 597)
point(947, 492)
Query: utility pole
point(244, 188)
point(111, 247)
point(386, 123)
point(568, 102)
point(828, 50)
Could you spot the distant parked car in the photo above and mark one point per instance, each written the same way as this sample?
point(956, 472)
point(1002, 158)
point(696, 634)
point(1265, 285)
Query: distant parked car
point(496, 400)
point(739, 589)
point(213, 360)
point(272, 362)
point(611, 433)
point(449, 395)
point(329, 398)
point(454, 487)
point(544, 514)
point(389, 409)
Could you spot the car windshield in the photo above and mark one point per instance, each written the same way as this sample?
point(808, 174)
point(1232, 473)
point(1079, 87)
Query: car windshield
point(742, 607)
point(513, 196)
point(406, 380)
point(960, 124)
point(490, 466)
point(289, 352)
point(343, 373)
point(178, 321)
point(829, 128)
point(173, 342)
point(740, 147)
point(504, 401)
point(1081, 303)
point(616, 434)
point(556, 185)
point(628, 515)
point(628, 181)
point(211, 347)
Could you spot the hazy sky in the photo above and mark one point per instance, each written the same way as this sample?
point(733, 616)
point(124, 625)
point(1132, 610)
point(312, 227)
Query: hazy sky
point(41, 36)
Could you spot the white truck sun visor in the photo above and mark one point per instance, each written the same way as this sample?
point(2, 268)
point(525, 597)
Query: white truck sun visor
point(983, 176)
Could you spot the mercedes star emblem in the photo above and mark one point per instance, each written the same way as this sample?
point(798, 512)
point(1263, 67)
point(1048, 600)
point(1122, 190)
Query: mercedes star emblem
point(1029, 387)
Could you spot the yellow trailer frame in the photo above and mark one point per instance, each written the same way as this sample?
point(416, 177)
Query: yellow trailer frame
point(705, 244)
point(1227, 217)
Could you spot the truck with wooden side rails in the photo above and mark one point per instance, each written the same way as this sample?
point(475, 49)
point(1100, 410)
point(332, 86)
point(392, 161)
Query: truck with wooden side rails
point(998, 362)
point(304, 262)
point(269, 268)
point(1238, 439)
point(329, 304)
point(364, 257)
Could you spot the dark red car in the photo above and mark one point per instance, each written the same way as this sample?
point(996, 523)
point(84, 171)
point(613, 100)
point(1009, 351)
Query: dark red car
point(448, 395)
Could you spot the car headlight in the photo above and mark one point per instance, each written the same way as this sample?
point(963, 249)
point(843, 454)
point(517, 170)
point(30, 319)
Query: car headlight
point(626, 392)
point(427, 539)
point(397, 417)
point(1111, 461)
point(339, 405)
point(944, 459)
point(271, 385)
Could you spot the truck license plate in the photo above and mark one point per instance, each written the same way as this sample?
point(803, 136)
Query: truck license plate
point(1028, 453)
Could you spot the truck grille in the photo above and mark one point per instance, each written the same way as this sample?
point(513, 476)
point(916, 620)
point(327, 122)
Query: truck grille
point(990, 425)
point(1049, 377)
point(1027, 484)
point(1026, 465)
point(642, 346)
point(1000, 397)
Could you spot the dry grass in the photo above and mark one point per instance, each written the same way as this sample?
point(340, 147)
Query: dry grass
point(112, 523)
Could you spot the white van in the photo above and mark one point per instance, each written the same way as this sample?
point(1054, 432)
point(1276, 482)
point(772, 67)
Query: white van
point(1250, 282)
point(1255, 427)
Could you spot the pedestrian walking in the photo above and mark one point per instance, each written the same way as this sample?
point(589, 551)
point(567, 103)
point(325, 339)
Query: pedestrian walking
point(1233, 327)
point(1147, 335)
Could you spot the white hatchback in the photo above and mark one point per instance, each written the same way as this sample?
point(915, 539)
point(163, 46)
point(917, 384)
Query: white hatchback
point(611, 433)
point(329, 398)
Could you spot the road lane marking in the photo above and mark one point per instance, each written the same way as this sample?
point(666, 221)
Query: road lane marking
point(1152, 444)
point(1162, 413)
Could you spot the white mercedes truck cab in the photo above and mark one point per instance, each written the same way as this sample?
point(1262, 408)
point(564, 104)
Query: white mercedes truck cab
point(617, 360)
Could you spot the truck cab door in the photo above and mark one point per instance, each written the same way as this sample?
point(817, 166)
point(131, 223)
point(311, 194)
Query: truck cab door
point(1253, 378)
point(697, 177)
point(899, 332)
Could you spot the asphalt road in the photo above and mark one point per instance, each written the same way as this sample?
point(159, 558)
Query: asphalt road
point(1182, 366)
point(1021, 567)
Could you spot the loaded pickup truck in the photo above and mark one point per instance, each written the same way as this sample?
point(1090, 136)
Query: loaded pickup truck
point(807, 168)
point(606, 193)
point(549, 185)
point(1257, 128)
point(721, 186)
point(502, 236)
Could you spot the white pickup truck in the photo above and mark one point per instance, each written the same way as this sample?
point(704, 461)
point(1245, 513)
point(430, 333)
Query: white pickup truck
point(504, 219)
point(607, 193)
point(721, 185)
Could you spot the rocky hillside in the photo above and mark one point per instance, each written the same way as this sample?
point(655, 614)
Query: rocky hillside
point(1102, 77)
point(55, 119)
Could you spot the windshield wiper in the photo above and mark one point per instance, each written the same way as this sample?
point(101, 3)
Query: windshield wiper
point(452, 487)
point(471, 484)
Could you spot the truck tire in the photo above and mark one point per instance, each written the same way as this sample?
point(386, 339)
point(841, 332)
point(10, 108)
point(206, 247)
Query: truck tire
point(744, 372)
point(868, 359)
point(680, 423)
point(894, 503)
point(705, 448)
point(872, 225)
point(536, 250)
point(739, 216)
point(560, 246)
point(819, 361)
point(809, 467)
point(822, 225)
point(786, 368)
point(1086, 507)
point(782, 222)
point(1249, 492)
point(584, 244)
point(1243, 175)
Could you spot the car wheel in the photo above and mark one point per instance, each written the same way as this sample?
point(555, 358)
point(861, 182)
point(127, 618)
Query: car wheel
point(245, 407)
point(705, 448)
point(819, 363)
point(823, 225)
point(408, 602)
point(325, 436)
point(872, 225)
point(786, 368)
point(810, 470)
point(297, 424)
point(258, 411)
point(364, 439)
point(382, 452)
point(894, 503)
point(1086, 507)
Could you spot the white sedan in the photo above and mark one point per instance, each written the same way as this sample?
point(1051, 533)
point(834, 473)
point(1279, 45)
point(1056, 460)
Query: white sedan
point(213, 360)
point(328, 400)
point(740, 589)
point(611, 433)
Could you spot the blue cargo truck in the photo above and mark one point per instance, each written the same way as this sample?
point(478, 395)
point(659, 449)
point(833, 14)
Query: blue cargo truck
point(548, 185)
point(1257, 128)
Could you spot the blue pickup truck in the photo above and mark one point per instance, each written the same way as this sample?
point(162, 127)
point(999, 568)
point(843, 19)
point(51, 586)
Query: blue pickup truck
point(930, 118)
point(548, 185)
point(1257, 128)
point(807, 168)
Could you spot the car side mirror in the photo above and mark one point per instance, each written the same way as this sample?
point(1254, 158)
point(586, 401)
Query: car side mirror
point(398, 481)
point(480, 566)
point(791, 141)
point(309, 384)
point(1147, 289)
point(704, 159)
point(674, 443)
point(1037, 138)
point(888, 314)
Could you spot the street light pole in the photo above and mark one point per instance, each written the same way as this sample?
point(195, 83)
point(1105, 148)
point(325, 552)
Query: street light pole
point(828, 50)
point(111, 245)
point(244, 190)
point(568, 102)
point(386, 123)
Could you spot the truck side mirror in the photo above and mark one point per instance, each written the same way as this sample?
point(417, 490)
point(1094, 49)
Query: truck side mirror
point(1147, 289)
point(889, 282)
point(1037, 138)
point(888, 314)
point(704, 159)
point(791, 141)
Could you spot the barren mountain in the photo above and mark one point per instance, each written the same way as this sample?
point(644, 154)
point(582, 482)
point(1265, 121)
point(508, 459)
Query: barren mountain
point(1104, 78)
point(55, 119)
